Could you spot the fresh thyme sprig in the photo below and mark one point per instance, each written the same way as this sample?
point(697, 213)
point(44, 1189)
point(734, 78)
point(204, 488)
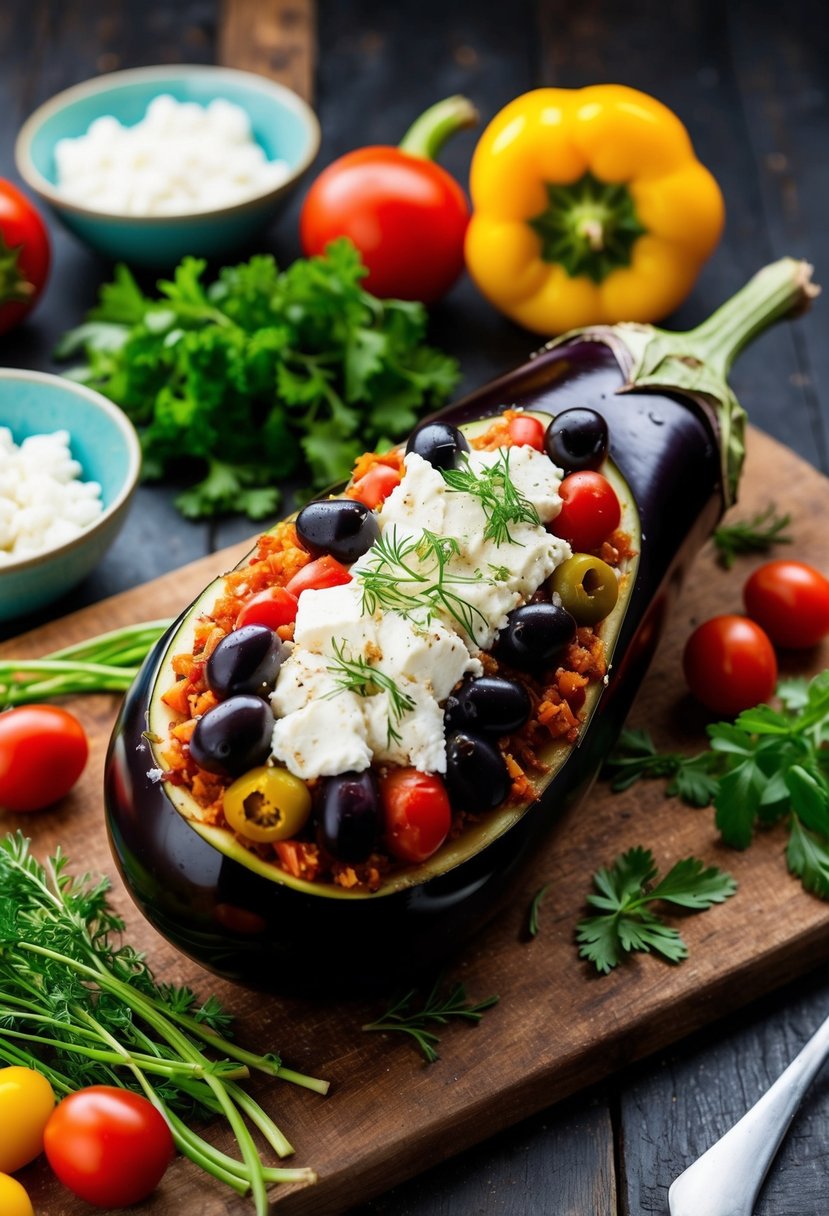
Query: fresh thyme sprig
point(438, 1007)
point(84, 1010)
point(755, 535)
point(501, 500)
point(410, 575)
point(360, 677)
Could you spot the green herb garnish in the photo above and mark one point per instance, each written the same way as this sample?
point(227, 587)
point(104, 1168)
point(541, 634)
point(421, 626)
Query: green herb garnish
point(107, 663)
point(535, 908)
point(626, 922)
point(767, 766)
point(411, 576)
point(84, 1009)
point(756, 535)
point(360, 677)
point(438, 1007)
point(501, 500)
point(262, 374)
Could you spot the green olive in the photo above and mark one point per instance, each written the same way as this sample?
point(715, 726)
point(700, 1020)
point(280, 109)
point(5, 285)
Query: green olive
point(588, 587)
point(267, 804)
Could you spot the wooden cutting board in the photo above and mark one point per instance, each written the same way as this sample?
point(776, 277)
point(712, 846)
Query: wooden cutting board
point(558, 1026)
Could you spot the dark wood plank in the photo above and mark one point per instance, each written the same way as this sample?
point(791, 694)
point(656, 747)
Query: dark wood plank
point(275, 38)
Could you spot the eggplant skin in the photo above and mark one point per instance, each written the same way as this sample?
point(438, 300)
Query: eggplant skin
point(266, 935)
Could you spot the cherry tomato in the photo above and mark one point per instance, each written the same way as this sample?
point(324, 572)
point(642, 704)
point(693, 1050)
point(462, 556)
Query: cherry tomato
point(730, 664)
point(406, 215)
point(272, 607)
point(43, 751)
point(13, 1199)
point(24, 255)
point(374, 487)
point(417, 813)
point(316, 576)
point(109, 1146)
point(790, 600)
point(524, 430)
point(26, 1102)
point(590, 510)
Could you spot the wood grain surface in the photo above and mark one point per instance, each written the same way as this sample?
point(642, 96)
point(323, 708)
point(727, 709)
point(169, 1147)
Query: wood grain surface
point(558, 1027)
point(275, 38)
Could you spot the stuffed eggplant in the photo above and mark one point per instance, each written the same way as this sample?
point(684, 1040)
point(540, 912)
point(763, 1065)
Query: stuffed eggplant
point(334, 765)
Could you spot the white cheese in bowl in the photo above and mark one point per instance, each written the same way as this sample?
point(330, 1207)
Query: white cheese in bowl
point(180, 158)
point(43, 501)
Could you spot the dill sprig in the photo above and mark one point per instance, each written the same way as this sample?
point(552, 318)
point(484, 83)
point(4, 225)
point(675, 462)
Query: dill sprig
point(501, 500)
point(438, 1007)
point(84, 1009)
point(359, 676)
point(755, 535)
point(410, 575)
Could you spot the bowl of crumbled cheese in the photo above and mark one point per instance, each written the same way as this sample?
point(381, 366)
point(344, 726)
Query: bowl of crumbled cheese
point(69, 464)
point(150, 164)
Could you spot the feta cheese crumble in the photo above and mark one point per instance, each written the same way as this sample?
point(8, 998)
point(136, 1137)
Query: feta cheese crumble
point(368, 673)
point(181, 157)
point(43, 502)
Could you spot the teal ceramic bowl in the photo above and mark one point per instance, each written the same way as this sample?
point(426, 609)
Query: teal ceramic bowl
point(104, 442)
point(282, 123)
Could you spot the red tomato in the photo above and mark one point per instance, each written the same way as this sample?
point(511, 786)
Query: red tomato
point(590, 511)
point(24, 255)
point(405, 214)
point(324, 572)
point(273, 607)
point(375, 486)
point(110, 1146)
point(417, 813)
point(790, 600)
point(527, 431)
point(43, 751)
point(730, 664)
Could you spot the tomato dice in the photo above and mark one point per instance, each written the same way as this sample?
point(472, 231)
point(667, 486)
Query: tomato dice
point(730, 664)
point(526, 431)
point(109, 1146)
point(375, 486)
point(273, 607)
point(590, 511)
point(43, 751)
point(316, 576)
point(417, 813)
point(790, 601)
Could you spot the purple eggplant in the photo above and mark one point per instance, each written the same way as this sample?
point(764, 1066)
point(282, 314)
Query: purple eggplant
point(676, 436)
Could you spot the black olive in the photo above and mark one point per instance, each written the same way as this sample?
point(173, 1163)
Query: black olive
point(476, 775)
point(342, 527)
point(577, 439)
point(234, 736)
point(246, 661)
point(439, 443)
point(490, 704)
point(350, 818)
point(535, 636)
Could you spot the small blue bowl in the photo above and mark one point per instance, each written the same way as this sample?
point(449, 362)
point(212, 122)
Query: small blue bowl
point(282, 124)
point(104, 442)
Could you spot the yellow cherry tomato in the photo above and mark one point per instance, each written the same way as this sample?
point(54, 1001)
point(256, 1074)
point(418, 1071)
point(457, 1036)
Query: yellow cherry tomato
point(13, 1199)
point(26, 1102)
point(267, 804)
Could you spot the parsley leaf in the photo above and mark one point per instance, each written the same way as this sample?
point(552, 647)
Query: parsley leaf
point(626, 923)
point(259, 375)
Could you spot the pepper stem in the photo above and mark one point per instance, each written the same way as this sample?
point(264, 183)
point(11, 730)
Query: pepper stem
point(427, 134)
point(698, 361)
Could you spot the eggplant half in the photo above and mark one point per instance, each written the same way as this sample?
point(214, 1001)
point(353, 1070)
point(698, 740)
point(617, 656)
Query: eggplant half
point(675, 449)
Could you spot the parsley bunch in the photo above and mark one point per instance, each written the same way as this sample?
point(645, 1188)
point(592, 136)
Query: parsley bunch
point(768, 765)
point(626, 922)
point(263, 374)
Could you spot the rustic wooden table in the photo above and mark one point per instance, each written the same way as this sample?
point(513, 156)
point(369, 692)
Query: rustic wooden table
point(749, 80)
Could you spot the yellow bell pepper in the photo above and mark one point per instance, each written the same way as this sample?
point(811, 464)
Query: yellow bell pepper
point(590, 207)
